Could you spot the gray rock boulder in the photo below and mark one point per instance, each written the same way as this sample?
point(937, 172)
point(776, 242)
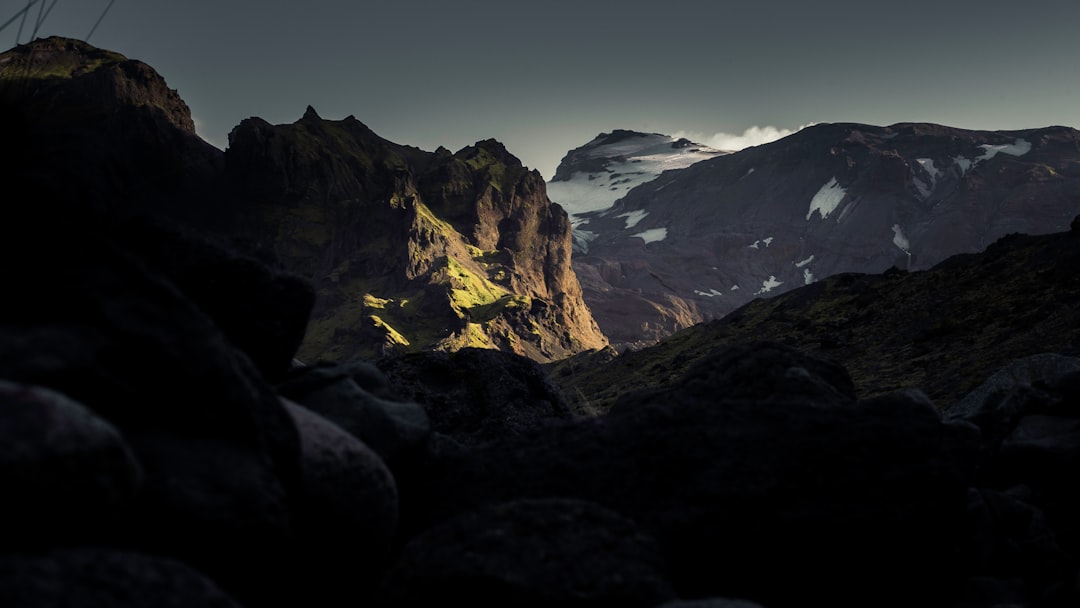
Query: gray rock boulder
point(66, 474)
point(356, 396)
point(477, 395)
point(99, 578)
point(531, 552)
point(348, 505)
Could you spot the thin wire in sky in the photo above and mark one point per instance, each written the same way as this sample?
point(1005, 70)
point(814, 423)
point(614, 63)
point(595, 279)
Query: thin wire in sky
point(22, 22)
point(21, 14)
point(87, 39)
point(42, 16)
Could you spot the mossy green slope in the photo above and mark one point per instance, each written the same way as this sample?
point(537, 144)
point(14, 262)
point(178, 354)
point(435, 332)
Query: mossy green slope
point(943, 330)
point(411, 250)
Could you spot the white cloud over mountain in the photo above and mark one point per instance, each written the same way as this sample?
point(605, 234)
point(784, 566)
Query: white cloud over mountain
point(753, 136)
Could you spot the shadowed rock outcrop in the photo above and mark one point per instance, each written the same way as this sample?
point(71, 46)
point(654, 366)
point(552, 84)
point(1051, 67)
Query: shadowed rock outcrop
point(476, 396)
point(538, 552)
point(759, 486)
point(96, 578)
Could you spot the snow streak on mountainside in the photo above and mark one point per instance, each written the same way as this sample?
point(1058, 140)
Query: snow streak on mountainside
point(591, 178)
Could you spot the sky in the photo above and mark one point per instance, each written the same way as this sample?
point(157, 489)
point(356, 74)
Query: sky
point(546, 77)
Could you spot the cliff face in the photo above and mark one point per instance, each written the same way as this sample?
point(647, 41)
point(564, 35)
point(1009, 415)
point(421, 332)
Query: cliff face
point(411, 250)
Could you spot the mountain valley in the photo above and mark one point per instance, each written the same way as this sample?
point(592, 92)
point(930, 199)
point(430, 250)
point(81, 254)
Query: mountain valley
point(320, 368)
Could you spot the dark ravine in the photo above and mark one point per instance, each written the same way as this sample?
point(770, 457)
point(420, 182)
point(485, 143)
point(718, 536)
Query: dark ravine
point(159, 445)
point(830, 199)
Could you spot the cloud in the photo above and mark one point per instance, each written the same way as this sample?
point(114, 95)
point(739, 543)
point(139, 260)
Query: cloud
point(753, 136)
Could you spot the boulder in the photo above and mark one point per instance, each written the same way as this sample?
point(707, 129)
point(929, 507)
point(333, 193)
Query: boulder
point(56, 454)
point(100, 578)
point(477, 395)
point(219, 453)
point(531, 552)
point(997, 404)
point(356, 396)
point(347, 511)
point(261, 310)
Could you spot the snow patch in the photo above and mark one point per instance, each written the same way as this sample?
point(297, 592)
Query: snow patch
point(582, 238)
point(651, 235)
point(928, 165)
point(768, 285)
point(712, 293)
point(963, 163)
point(808, 277)
point(633, 161)
point(633, 217)
point(802, 263)
point(826, 200)
point(755, 245)
point(899, 239)
point(734, 287)
point(924, 190)
point(748, 173)
point(767, 240)
point(1019, 147)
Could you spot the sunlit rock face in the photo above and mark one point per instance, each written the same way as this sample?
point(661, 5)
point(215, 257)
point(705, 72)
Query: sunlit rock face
point(411, 250)
point(698, 242)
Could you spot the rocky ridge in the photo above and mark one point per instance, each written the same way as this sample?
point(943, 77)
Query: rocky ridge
point(410, 250)
point(942, 329)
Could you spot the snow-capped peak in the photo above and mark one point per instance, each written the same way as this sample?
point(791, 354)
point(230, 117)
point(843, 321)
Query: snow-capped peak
point(594, 176)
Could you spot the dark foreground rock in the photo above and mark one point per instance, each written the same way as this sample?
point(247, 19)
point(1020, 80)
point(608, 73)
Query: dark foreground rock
point(758, 475)
point(542, 552)
point(744, 495)
point(95, 578)
point(477, 395)
point(55, 452)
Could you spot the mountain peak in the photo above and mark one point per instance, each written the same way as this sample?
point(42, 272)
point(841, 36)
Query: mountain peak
point(311, 114)
point(490, 147)
point(616, 136)
point(57, 57)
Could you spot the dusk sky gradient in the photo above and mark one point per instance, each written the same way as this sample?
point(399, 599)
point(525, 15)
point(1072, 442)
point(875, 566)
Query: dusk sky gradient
point(545, 77)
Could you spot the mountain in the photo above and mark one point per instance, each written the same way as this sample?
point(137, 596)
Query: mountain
point(407, 249)
point(696, 243)
point(595, 175)
point(411, 250)
point(943, 330)
point(159, 444)
point(98, 134)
